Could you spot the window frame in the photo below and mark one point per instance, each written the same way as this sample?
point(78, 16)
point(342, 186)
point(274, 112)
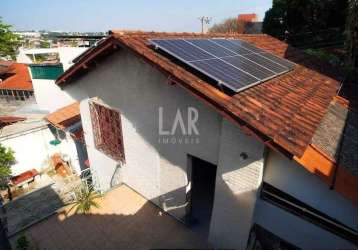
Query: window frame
point(97, 129)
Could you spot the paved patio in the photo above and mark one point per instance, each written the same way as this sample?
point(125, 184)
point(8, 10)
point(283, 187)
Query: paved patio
point(41, 199)
point(125, 220)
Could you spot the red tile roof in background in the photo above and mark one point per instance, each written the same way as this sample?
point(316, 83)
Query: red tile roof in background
point(7, 120)
point(25, 176)
point(247, 17)
point(17, 78)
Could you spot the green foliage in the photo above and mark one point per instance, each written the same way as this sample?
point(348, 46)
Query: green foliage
point(328, 57)
point(229, 25)
point(7, 159)
point(85, 199)
point(352, 34)
point(9, 41)
point(22, 243)
point(275, 20)
point(44, 44)
point(309, 22)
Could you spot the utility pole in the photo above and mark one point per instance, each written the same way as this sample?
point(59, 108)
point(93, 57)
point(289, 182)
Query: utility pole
point(204, 20)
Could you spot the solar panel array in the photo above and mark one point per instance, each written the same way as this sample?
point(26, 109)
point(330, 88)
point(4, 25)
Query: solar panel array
point(233, 63)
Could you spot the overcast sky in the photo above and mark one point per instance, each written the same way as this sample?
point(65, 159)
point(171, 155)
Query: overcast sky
point(97, 15)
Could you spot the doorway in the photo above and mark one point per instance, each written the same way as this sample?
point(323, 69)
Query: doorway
point(202, 176)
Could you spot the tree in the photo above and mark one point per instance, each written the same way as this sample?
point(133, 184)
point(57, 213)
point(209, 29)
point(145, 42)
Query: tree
point(306, 21)
point(85, 199)
point(229, 25)
point(7, 159)
point(9, 41)
point(352, 34)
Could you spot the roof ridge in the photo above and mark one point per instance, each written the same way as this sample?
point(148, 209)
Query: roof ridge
point(196, 34)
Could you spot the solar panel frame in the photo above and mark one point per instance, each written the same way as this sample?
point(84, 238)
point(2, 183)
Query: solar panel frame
point(243, 79)
point(254, 50)
point(175, 46)
point(217, 71)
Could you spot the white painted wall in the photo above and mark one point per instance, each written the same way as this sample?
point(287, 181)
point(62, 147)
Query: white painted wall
point(48, 95)
point(153, 169)
point(33, 150)
point(159, 171)
point(67, 54)
point(237, 183)
point(293, 179)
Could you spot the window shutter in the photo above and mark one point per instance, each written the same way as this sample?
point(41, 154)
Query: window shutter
point(107, 131)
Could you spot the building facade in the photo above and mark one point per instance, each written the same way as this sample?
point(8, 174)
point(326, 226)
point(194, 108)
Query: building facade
point(223, 203)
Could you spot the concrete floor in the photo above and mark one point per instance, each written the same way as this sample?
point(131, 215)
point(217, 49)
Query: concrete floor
point(40, 199)
point(125, 220)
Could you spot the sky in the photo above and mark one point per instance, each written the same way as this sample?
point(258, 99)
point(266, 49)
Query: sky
point(148, 15)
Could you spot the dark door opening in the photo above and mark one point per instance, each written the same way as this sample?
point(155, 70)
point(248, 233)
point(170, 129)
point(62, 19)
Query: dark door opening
point(202, 175)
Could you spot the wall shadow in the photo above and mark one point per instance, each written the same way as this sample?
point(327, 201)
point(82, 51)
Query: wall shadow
point(298, 56)
point(127, 222)
point(30, 208)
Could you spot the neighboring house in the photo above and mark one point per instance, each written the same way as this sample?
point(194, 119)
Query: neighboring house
point(35, 141)
point(15, 81)
point(43, 74)
point(249, 24)
point(257, 168)
point(68, 120)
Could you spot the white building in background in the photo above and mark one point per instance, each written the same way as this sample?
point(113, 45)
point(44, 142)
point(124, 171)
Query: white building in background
point(248, 178)
point(32, 142)
point(44, 73)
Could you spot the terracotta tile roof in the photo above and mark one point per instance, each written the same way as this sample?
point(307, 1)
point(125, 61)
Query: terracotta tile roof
point(247, 17)
point(4, 66)
point(7, 120)
point(66, 116)
point(17, 78)
point(284, 111)
point(25, 176)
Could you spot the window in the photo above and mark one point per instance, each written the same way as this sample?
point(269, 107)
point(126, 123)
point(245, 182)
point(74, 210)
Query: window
point(261, 238)
point(107, 130)
point(293, 205)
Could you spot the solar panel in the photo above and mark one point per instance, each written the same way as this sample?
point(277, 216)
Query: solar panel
point(233, 63)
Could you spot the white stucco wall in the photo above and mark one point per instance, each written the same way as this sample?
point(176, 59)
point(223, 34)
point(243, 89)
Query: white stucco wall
point(293, 179)
point(67, 54)
point(159, 171)
point(33, 150)
point(237, 183)
point(49, 96)
point(156, 170)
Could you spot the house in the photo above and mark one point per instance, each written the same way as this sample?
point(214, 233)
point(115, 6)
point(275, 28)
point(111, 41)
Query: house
point(67, 121)
point(243, 168)
point(15, 81)
point(44, 66)
point(249, 24)
point(31, 129)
